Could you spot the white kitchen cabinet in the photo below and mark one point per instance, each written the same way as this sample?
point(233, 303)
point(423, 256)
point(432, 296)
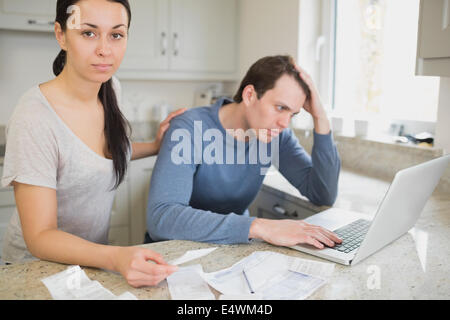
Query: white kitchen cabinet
point(119, 236)
point(34, 15)
point(433, 44)
point(147, 47)
point(203, 33)
point(7, 209)
point(119, 227)
point(140, 174)
point(182, 40)
point(128, 217)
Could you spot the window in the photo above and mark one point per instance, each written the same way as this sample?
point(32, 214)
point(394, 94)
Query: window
point(372, 49)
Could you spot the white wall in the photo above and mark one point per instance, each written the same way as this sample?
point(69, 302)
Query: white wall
point(270, 27)
point(267, 27)
point(26, 60)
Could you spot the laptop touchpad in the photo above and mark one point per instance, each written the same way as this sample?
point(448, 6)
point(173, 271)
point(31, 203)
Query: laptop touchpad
point(333, 218)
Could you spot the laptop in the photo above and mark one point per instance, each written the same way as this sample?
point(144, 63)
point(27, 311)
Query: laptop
point(397, 213)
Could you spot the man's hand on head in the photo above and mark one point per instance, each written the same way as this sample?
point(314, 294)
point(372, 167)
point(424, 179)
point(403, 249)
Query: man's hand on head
point(314, 106)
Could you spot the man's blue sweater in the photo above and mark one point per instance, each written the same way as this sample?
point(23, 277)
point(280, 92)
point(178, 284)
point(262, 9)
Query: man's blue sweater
point(200, 190)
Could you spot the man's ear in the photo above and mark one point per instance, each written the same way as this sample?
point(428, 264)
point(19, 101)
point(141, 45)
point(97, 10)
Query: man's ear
point(60, 36)
point(248, 95)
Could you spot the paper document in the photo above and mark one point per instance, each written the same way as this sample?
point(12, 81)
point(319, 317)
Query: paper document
point(312, 268)
point(291, 286)
point(266, 274)
point(74, 284)
point(191, 255)
point(241, 297)
point(188, 284)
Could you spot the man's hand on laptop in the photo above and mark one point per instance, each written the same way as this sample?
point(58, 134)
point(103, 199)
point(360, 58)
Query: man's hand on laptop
point(292, 232)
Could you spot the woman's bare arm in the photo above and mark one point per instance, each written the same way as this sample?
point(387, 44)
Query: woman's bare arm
point(37, 207)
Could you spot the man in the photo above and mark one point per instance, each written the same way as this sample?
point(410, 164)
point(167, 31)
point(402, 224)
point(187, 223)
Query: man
point(199, 193)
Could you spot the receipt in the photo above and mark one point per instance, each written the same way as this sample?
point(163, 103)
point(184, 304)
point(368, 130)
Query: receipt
point(191, 255)
point(291, 286)
point(312, 268)
point(188, 284)
point(74, 284)
point(253, 296)
point(93, 291)
point(126, 296)
point(63, 284)
point(268, 275)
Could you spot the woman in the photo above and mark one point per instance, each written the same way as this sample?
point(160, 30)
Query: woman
point(68, 150)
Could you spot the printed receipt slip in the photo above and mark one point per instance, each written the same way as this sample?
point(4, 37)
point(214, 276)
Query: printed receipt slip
point(74, 284)
point(188, 284)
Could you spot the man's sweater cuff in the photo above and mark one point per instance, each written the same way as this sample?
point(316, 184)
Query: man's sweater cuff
point(323, 141)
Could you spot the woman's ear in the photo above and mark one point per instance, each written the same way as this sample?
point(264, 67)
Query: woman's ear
point(60, 36)
point(248, 95)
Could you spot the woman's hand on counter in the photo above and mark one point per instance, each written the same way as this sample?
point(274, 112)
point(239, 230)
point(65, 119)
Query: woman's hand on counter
point(148, 149)
point(134, 265)
point(292, 232)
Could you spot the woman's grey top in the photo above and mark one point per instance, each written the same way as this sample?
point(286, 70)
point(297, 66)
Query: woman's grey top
point(43, 151)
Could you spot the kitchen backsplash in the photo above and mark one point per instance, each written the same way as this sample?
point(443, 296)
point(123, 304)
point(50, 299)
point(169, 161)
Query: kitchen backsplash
point(377, 159)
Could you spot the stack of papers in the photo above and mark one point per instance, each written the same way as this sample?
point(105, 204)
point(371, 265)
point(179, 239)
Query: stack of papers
point(261, 275)
point(272, 276)
point(74, 284)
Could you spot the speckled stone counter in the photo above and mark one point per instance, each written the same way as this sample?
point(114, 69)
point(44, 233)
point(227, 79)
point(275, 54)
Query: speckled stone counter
point(416, 266)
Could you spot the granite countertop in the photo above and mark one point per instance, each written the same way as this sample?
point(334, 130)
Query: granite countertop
point(413, 267)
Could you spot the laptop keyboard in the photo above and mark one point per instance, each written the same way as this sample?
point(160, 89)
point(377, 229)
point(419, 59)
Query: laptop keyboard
point(352, 235)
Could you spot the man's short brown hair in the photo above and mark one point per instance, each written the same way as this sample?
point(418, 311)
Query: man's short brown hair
point(265, 72)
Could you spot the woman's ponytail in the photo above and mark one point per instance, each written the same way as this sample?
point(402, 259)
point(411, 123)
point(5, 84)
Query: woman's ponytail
point(59, 63)
point(116, 130)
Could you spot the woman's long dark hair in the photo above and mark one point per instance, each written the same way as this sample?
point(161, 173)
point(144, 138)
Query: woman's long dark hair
point(116, 125)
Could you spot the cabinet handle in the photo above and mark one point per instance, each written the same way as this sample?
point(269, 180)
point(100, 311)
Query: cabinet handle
point(320, 42)
point(40, 23)
point(279, 209)
point(445, 14)
point(163, 43)
point(176, 44)
point(282, 211)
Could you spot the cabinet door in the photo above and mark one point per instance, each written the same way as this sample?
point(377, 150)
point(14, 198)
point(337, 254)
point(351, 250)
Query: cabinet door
point(203, 35)
point(36, 15)
point(7, 197)
point(140, 175)
point(434, 29)
point(147, 47)
point(120, 214)
point(5, 215)
point(119, 236)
